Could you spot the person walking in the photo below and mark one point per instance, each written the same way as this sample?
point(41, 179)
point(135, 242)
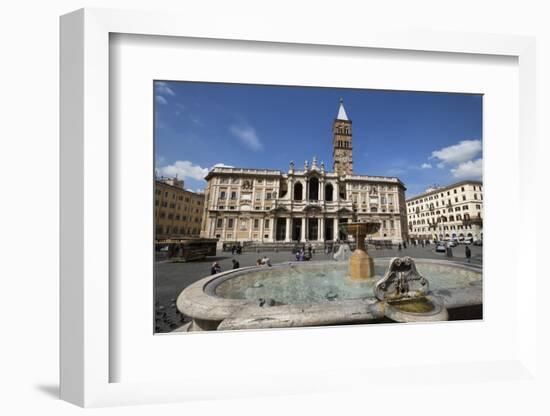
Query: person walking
point(399, 247)
point(468, 253)
point(236, 264)
point(215, 268)
point(449, 250)
point(233, 249)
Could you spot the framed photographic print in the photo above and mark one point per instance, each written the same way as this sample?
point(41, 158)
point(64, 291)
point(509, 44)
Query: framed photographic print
point(286, 213)
point(231, 240)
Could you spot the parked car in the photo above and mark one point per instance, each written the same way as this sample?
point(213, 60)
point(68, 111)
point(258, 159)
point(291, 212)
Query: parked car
point(453, 243)
point(478, 243)
point(440, 248)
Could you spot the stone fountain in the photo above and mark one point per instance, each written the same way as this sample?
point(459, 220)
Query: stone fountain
point(359, 290)
point(361, 265)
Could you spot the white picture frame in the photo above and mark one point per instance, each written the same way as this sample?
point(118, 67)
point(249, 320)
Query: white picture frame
point(86, 291)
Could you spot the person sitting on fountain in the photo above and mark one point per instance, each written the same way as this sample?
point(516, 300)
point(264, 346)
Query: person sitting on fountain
point(215, 268)
point(266, 261)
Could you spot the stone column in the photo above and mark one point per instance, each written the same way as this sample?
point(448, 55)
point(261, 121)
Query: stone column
point(262, 225)
point(303, 230)
point(321, 226)
point(335, 231)
point(287, 229)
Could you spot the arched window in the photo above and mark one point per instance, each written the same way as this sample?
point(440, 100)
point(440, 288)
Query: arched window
point(342, 192)
point(313, 189)
point(328, 192)
point(298, 190)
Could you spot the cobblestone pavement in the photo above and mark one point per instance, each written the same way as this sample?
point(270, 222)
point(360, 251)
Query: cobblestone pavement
point(172, 278)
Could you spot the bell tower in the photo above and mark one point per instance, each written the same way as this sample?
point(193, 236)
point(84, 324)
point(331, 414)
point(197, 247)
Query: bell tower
point(342, 154)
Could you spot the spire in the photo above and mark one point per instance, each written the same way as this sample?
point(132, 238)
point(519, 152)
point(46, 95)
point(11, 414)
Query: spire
point(342, 111)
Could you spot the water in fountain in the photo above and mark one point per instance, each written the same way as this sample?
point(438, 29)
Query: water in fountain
point(319, 283)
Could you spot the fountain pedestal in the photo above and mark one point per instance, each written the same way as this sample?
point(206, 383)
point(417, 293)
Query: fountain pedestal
point(361, 265)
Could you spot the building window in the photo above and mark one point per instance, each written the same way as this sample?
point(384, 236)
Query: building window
point(256, 223)
point(266, 225)
point(222, 195)
point(219, 223)
point(298, 190)
point(328, 192)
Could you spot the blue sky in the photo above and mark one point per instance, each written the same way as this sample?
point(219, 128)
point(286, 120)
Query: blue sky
point(421, 138)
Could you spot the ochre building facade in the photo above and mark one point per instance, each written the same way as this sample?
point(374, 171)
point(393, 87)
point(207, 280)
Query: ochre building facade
point(178, 212)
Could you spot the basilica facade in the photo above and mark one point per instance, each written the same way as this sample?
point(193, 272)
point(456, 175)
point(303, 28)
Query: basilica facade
point(303, 204)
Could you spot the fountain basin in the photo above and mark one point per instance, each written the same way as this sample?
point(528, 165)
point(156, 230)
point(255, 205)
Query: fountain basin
point(310, 294)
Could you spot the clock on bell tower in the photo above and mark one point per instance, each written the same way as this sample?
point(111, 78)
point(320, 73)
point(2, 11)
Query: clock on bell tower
point(341, 143)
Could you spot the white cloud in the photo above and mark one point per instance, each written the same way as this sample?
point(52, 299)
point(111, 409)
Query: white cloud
point(221, 165)
point(459, 153)
point(183, 169)
point(160, 99)
point(441, 165)
point(426, 166)
point(395, 171)
point(247, 136)
point(163, 88)
point(471, 169)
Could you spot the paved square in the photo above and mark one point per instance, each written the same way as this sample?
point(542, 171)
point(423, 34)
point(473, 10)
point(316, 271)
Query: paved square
point(172, 278)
